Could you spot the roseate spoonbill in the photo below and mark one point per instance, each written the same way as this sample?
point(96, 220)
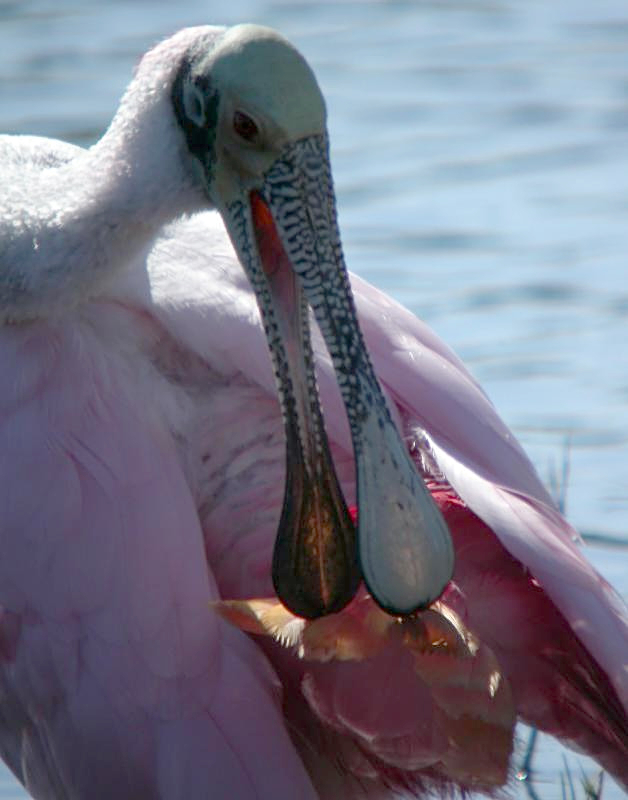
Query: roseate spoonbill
point(142, 480)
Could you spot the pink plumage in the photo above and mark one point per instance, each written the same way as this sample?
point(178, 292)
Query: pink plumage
point(119, 475)
point(142, 651)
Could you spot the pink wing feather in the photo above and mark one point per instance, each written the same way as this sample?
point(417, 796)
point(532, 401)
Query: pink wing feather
point(122, 477)
point(484, 463)
point(435, 399)
point(116, 679)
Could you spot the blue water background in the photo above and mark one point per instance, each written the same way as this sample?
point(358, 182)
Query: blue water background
point(480, 151)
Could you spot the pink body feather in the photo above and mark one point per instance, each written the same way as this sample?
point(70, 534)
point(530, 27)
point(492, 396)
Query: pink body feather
point(141, 479)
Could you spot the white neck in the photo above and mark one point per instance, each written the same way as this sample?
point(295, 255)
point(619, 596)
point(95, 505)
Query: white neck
point(65, 231)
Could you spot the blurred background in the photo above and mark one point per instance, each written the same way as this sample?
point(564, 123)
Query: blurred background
point(480, 152)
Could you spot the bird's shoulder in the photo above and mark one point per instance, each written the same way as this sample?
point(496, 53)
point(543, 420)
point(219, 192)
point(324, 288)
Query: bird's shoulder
point(22, 152)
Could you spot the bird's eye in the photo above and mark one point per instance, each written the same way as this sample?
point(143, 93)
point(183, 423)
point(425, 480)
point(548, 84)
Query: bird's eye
point(244, 126)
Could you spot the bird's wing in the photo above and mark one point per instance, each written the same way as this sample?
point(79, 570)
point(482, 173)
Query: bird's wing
point(484, 463)
point(212, 308)
point(209, 307)
point(106, 633)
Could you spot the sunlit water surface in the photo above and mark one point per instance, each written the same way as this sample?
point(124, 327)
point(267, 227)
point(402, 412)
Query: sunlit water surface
point(480, 151)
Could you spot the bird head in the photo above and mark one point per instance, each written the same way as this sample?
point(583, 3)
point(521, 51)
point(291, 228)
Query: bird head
point(241, 104)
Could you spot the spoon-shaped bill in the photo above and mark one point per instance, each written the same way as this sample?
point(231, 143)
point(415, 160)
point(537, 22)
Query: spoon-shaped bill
point(405, 550)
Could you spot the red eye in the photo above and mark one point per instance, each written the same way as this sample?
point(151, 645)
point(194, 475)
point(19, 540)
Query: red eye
point(244, 126)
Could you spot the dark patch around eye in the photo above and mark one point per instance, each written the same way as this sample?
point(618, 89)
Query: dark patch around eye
point(200, 138)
